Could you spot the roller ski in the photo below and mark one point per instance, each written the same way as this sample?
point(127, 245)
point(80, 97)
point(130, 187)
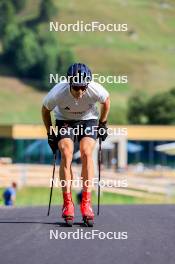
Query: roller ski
point(86, 209)
point(68, 209)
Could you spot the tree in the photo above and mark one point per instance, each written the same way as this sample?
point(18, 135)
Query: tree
point(27, 53)
point(136, 109)
point(66, 58)
point(54, 60)
point(30, 51)
point(34, 54)
point(48, 63)
point(160, 108)
point(11, 33)
point(172, 91)
point(47, 10)
point(7, 13)
point(19, 4)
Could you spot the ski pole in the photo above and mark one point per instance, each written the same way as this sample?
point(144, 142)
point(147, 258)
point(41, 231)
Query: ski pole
point(99, 174)
point(51, 189)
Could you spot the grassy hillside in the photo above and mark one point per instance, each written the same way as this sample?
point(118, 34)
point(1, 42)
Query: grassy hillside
point(19, 103)
point(147, 57)
point(146, 53)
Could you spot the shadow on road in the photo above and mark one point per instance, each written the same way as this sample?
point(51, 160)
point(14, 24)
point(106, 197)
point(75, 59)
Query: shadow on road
point(57, 224)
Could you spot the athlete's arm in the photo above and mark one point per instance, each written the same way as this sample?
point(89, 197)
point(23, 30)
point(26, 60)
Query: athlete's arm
point(105, 107)
point(46, 118)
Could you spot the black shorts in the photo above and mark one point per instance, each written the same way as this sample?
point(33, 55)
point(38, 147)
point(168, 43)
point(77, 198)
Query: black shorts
point(76, 129)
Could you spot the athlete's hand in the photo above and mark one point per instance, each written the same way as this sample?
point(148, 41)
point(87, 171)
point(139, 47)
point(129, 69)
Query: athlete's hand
point(52, 141)
point(102, 130)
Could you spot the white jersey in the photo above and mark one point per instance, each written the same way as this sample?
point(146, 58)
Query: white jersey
point(67, 107)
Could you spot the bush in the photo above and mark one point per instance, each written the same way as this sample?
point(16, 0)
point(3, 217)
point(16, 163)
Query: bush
point(7, 17)
point(53, 59)
point(48, 63)
point(27, 52)
point(66, 58)
point(137, 109)
point(34, 54)
point(12, 32)
point(160, 108)
point(19, 4)
point(47, 10)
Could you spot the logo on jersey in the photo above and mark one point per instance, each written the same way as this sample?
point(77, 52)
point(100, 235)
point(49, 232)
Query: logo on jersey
point(67, 108)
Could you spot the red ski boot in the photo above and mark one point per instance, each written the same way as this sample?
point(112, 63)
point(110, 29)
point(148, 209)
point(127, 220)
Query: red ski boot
point(86, 209)
point(68, 209)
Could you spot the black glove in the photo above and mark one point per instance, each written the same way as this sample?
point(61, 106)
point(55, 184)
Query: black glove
point(102, 130)
point(52, 141)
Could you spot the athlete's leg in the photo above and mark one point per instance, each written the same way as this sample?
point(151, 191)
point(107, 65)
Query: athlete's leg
point(66, 147)
point(87, 145)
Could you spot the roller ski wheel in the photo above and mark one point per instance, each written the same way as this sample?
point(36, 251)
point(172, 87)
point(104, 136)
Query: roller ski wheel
point(69, 220)
point(89, 222)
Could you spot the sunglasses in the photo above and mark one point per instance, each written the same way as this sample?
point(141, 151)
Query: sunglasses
point(76, 88)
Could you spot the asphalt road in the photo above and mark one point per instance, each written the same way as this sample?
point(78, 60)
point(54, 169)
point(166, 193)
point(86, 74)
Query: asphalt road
point(28, 236)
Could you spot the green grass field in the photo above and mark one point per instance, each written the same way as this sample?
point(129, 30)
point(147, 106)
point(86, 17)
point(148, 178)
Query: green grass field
point(40, 196)
point(20, 103)
point(145, 53)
